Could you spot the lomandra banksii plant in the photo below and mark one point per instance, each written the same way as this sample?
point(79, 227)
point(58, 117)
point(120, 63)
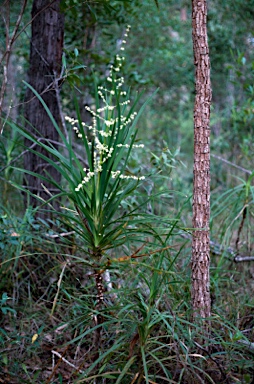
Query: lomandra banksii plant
point(105, 181)
point(97, 189)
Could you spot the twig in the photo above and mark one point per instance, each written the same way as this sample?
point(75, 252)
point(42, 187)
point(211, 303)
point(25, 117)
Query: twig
point(20, 155)
point(58, 289)
point(41, 139)
point(58, 99)
point(60, 234)
point(224, 375)
point(235, 219)
point(29, 22)
point(14, 34)
point(241, 227)
point(66, 361)
point(136, 256)
point(240, 258)
point(7, 53)
point(56, 366)
point(232, 164)
point(248, 344)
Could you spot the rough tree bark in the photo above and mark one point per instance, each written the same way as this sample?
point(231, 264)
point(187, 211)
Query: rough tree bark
point(200, 262)
point(45, 67)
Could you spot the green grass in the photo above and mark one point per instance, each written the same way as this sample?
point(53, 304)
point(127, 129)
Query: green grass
point(147, 335)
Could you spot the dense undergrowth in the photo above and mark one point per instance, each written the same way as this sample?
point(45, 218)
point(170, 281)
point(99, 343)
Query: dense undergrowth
point(101, 293)
point(49, 324)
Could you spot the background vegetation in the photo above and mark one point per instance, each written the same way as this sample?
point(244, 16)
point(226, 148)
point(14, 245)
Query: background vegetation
point(51, 327)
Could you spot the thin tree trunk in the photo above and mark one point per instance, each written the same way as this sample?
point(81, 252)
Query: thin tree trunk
point(201, 301)
point(7, 74)
point(45, 67)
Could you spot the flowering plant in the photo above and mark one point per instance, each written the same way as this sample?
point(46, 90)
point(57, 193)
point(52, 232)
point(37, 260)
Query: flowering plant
point(97, 190)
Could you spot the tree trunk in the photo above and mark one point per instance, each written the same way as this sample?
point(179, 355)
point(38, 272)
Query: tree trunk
point(45, 67)
point(201, 302)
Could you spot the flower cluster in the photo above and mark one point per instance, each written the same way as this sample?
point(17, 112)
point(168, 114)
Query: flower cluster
point(108, 124)
point(73, 122)
point(133, 177)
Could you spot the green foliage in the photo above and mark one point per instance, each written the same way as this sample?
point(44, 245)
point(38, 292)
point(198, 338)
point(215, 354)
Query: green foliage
point(130, 230)
point(227, 34)
point(97, 191)
point(10, 144)
point(91, 35)
point(242, 115)
point(16, 235)
point(234, 210)
point(4, 308)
